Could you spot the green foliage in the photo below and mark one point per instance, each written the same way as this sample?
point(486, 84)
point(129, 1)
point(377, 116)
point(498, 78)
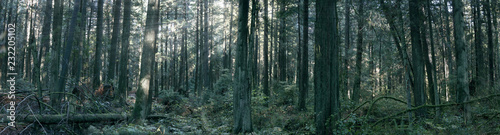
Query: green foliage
point(221, 98)
point(171, 99)
point(284, 93)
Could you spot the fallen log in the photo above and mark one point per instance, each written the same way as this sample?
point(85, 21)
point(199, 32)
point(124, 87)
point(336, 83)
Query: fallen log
point(78, 118)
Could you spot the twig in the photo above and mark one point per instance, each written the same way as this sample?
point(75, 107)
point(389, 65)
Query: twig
point(26, 128)
point(37, 119)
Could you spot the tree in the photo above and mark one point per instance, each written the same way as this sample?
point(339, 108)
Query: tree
point(67, 51)
point(359, 54)
point(304, 76)
point(142, 104)
point(326, 84)
point(432, 77)
point(205, 51)
point(251, 44)
point(282, 41)
point(123, 79)
point(478, 47)
point(461, 57)
point(114, 39)
point(265, 82)
point(347, 36)
point(490, 43)
point(56, 37)
point(45, 44)
point(98, 46)
point(418, 62)
point(241, 96)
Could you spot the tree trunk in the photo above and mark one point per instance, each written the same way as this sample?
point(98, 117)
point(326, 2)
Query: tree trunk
point(251, 44)
point(123, 79)
point(98, 52)
point(265, 82)
point(282, 42)
point(142, 104)
point(205, 51)
point(45, 44)
point(114, 39)
point(490, 43)
point(478, 47)
point(448, 52)
point(242, 110)
point(359, 54)
point(304, 76)
point(67, 52)
point(347, 36)
point(56, 37)
point(435, 96)
point(461, 56)
point(326, 67)
point(418, 62)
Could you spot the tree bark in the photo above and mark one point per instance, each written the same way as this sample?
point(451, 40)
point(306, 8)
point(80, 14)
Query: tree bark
point(490, 44)
point(242, 110)
point(45, 44)
point(326, 67)
point(282, 42)
point(418, 62)
point(114, 39)
point(142, 104)
point(478, 47)
point(56, 37)
point(347, 36)
point(461, 56)
point(265, 82)
point(304, 75)
point(99, 36)
point(123, 79)
point(67, 51)
point(251, 44)
point(359, 54)
point(205, 51)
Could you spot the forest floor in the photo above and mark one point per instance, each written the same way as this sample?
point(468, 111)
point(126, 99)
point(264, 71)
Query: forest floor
point(182, 115)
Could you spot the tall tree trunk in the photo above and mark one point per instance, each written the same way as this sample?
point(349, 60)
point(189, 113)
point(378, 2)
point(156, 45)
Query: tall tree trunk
point(45, 44)
point(242, 110)
point(67, 52)
point(490, 43)
point(123, 79)
point(435, 96)
point(265, 82)
point(186, 68)
point(230, 54)
point(448, 51)
point(98, 46)
point(359, 54)
point(56, 37)
point(143, 105)
point(461, 56)
point(347, 36)
point(282, 42)
point(326, 85)
point(205, 51)
point(197, 46)
point(304, 76)
point(114, 39)
point(418, 62)
point(478, 47)
point(251, 43)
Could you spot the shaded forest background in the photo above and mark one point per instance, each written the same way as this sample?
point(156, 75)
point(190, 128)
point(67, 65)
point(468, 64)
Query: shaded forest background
point(260, 66)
